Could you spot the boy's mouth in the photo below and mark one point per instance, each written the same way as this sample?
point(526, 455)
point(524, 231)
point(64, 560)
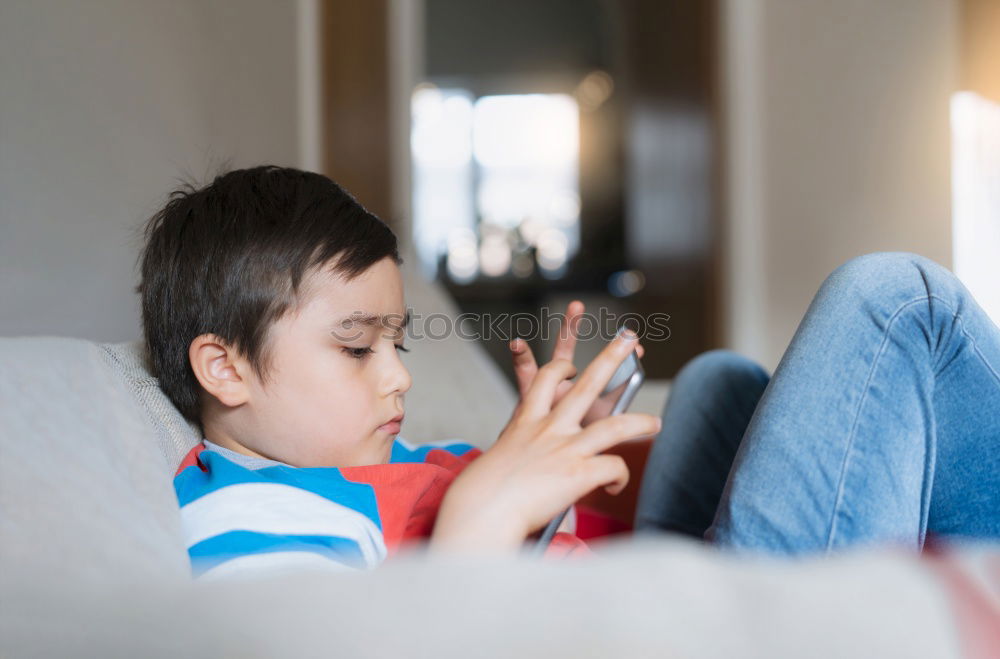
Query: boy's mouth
point(393, 425)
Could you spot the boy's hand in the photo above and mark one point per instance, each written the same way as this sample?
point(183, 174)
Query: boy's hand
point(543, 461)
point(525, 367)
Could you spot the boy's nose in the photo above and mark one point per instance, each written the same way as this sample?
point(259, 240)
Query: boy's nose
point(398, 379)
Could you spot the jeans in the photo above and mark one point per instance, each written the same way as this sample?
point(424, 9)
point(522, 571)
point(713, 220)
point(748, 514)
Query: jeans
point(881, 424)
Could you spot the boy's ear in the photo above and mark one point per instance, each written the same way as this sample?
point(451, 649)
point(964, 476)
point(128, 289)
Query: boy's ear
point(220, 369)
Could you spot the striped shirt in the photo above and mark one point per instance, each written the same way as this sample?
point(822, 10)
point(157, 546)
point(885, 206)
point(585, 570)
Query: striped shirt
point(246, 516)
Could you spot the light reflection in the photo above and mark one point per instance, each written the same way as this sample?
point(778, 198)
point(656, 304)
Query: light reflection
point(552, 250)
point(441, 144)
point(626, 282)
point(493, 177)
point(595, 88)
point(463, 258)
point(441, 135)
point(526, 131)
point(494, 256)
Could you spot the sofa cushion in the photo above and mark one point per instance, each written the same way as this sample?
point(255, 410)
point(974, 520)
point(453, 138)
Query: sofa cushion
point(84, 491)
point(175, 435)
point(659, 597)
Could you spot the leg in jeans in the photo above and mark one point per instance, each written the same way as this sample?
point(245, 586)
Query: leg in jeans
point(880, 425)
point(711, 402)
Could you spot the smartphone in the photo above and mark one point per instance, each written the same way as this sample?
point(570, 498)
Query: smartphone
point(615, 398)
point(621, 388)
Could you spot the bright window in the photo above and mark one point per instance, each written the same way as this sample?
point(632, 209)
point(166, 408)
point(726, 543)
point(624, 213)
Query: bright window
point(975, 127)
point(496, 179)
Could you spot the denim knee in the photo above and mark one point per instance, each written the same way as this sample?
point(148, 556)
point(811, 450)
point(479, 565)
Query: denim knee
point(716, 369)
point(874, 275)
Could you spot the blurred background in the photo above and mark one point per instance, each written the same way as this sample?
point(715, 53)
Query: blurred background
point(711, 160)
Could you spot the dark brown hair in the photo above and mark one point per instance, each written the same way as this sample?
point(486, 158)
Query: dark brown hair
point(229, 259)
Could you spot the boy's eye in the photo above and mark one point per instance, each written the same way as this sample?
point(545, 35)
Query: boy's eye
point(359, 353)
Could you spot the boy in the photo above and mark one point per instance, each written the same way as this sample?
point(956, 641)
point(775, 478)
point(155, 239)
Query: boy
point(273, 311)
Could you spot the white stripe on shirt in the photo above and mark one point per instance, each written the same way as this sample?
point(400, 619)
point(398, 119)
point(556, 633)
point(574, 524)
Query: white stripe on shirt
point(441, 443)
point(282, 510)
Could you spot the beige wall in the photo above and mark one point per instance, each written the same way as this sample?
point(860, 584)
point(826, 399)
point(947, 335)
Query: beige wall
point(104, 105)
point(838, 144)
point(980, 49)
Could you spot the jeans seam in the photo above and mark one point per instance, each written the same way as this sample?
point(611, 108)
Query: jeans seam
point(838, 500)
point(850, 442)
point(975, 346)
point(960, 319)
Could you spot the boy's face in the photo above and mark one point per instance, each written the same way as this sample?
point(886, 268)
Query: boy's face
point(327, 399)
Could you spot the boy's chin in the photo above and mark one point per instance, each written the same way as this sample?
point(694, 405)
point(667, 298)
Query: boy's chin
point(382, 454)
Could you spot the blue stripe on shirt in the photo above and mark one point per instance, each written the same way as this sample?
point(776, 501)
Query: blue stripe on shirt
point(193, 483)
point(233, 544)
point(401, 453)
point(328, 482)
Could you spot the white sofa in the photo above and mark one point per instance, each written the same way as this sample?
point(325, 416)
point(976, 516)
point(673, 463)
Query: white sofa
point(92, 561)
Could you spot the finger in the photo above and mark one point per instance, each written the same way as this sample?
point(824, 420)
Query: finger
point(538, 400)
point(601, 435)
point(596, 376)
point(639, 350)
point(525, 366)
point(561, 390)
point(611, 471)
point(566, 341)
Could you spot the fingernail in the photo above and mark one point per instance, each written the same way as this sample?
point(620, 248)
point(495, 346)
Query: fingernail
point(627, 334)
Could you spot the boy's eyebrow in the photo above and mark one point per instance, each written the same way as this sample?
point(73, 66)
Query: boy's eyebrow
point(371, 319)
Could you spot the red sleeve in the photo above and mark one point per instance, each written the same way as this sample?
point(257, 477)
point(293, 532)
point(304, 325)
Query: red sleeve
point(566, 545)
point(453, 463)
point(191, 459)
